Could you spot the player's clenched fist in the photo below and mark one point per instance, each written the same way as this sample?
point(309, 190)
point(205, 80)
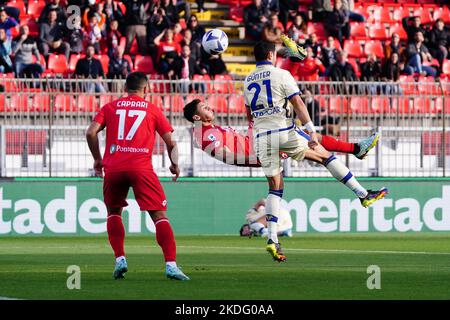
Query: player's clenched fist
point(98, 168)
point(174, 169)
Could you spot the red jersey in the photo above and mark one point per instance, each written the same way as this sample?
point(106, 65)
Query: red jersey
point(165, 47)
point(131, 123)
point(306, 70)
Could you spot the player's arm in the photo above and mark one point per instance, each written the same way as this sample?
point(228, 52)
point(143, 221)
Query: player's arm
point(249, 114)
point(172, 150)
point(229, 157)
point(92, 141)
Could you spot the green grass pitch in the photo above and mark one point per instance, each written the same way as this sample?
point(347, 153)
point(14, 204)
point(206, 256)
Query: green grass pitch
point(413, 266)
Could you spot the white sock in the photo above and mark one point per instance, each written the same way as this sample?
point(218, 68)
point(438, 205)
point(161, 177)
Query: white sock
point(272, 213)
point(120, 258)
point(341, 173)
point(171, 264)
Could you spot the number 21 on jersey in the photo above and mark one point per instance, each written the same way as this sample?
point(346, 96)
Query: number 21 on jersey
point(122, 116)
point(257, 87)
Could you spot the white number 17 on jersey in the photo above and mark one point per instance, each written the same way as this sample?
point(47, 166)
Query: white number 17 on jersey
point(131, 113)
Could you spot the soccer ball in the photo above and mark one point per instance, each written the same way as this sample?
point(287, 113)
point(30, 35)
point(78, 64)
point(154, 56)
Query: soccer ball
point(215, 41)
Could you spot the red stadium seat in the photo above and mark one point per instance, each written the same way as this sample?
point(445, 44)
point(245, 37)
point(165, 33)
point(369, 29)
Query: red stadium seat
point(204, 78)
point(40, 103)
point(338, 105)
point(443, 13)
point(400, 105)
point(439, 105)
point(408, 85)
point(223, 84)
point(121, 6)
point(105, 99)
point(381, 14)
point(355, 65)
point(236, 104)
point(446, 67)
point(218, 103)
point(424, 15)
point(32, 25)
point(19, 4)
point(64, 102)
point(87, 103)
point(422, 105)
point(143, 64)
point(432, 143)
point(362, 11)
point(427, 85)
point(173, 103)
point(377, 32)
point(157, 101)
point(358, 30)
point(353, 48)
point(33, 139)
point(35, 8)
point(7, 80)
point(400, 13)
point(398, 28)
point(317, 28)
point(237, 14)
point(191, 97)
point(104, 60)
point(157, 84)
point(375, 47)
point(57, 63)
point(3, 106)
point(19, 103)
point(73, 61)
point(130, 61)
point(359, 104)
point(380, 104)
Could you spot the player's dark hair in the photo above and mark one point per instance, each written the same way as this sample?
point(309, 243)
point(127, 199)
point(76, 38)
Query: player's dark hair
point(136, 81)
point(262, 50)
point(190, 110)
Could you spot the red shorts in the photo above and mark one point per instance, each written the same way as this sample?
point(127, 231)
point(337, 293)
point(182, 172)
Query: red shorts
point(147, 190)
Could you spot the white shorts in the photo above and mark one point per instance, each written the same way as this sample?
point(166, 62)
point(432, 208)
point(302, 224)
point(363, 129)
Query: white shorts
point(293, 142)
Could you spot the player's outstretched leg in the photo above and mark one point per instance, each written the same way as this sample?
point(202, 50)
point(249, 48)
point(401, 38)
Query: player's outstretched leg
point(341, 173)
point(360, 149)
point(116, 237)
point(166, 240)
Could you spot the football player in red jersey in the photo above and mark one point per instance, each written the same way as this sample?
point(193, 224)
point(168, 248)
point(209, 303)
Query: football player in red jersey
point(131, 124)
point(234, 148)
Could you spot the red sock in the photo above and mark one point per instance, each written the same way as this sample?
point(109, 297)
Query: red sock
point(116, 234)
point(165, 239)
point(331, 144)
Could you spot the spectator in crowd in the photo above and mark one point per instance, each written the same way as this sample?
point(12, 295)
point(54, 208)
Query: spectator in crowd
point(76, 36)
point(342, 69)
point(170, 8)
point(51, 35)
point(165, 62)
point(94, 31)
point(439, 41)
point(215, 65)
point(113, 12)
point(23, 48)
point(10, 11)
point(412, 25)
point(90, 68)
point(197, 30)
point(255, 17)
point(158, 23)
point(394, 46)
point(177, 33)
point(349, 7)
point(313, 42)
point(288, 11)
point(118, 68)
point(200, 5)
point(307, 69)
point(6, 65)
point(7, 22)
point(371, 71)
point(272, 5)
point(113, 37)
point(165, 43)
point(136, 18)
point(329, 53)
point(319, 115)
point(391, 73)
point(272, 31)
point(193, 46)
point(55, 5)
point(298, 30)
point(337, 22)
point(417, 53)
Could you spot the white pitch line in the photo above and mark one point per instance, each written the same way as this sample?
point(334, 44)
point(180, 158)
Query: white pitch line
point(8, 298)
point(311, 250)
